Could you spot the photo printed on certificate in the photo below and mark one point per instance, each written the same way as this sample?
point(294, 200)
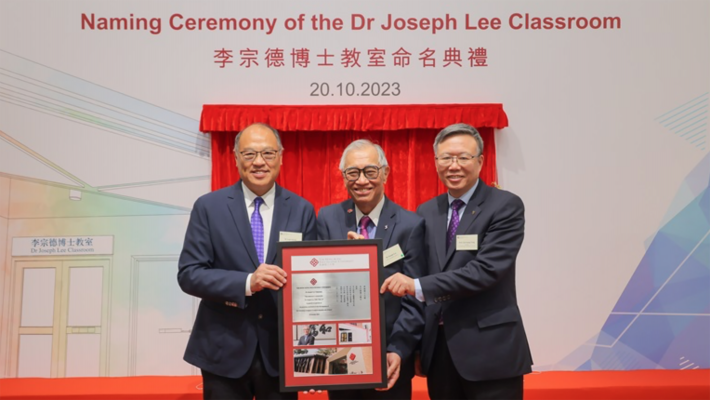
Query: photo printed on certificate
point(334, 296)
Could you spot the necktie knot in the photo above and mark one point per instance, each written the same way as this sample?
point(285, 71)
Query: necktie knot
point(457, 204)
point(258, 202)
point(364, 223)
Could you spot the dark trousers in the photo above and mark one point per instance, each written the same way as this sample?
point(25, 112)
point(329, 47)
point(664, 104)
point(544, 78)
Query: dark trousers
point(444, 382)
point(255, 383)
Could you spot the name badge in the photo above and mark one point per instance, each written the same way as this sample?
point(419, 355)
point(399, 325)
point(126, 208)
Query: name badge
point(466, 242)
point(391, 255)
point(290, 236)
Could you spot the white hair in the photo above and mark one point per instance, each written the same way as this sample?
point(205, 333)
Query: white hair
point(360, 144)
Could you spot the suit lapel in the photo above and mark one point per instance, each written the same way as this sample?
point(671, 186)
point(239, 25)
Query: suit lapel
point(473, 207)
point(238, 209)
point(349, 222)
point(279, 221)
point(385, 226)
point(440, 222)
point(470, 213)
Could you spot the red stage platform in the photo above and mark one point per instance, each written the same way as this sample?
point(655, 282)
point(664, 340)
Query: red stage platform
point(647, 385)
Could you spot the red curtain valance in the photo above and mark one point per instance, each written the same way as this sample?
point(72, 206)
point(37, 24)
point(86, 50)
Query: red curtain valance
point(313, 148)
point(363, 118)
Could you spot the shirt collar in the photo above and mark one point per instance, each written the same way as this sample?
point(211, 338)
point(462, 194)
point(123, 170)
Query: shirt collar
point(374, 214)
point(466, 196)
point(268, 197)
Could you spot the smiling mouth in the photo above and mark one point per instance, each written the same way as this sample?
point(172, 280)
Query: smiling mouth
point(362, 191)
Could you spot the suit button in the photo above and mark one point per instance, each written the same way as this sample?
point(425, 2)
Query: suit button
point(260, 316)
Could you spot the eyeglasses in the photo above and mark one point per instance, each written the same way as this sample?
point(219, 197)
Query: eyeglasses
point(267, 155)
point(353, 173)
point(462, 159)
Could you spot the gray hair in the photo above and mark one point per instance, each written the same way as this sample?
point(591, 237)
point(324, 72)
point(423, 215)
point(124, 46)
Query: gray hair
point(276, 133)
point(360, 144)
point(459, 129)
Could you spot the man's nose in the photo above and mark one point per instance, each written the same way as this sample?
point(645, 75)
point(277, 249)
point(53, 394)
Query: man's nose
point(259, 159)
point(361, 179)
point(455, 164)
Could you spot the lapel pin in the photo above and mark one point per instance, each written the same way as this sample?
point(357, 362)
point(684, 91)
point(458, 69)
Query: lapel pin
point(350, 210)
point(385, 227)
point(473, 212)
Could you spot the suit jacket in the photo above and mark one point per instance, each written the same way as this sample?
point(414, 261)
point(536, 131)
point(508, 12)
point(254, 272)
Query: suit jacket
point(404, 320)
point(475, 289)
point(216, 259)
point(306, 340)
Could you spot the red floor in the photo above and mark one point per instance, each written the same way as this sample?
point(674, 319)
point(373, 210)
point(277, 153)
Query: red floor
point(626, 385)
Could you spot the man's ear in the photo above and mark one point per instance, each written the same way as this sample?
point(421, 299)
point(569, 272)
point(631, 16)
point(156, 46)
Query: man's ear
point(386, 173)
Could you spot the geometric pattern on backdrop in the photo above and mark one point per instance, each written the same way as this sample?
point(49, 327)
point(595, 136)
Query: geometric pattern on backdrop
point(662, 318)
point(689, 121)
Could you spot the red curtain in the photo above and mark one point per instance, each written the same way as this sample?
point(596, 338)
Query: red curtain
point(314, 138)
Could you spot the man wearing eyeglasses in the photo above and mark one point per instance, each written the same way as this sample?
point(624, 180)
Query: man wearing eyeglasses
point(474, 344)
point(308, 339)
point(370, 214)
point(228, 261)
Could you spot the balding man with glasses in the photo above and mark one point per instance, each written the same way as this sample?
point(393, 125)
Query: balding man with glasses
point(370, 214)
point(228, 262)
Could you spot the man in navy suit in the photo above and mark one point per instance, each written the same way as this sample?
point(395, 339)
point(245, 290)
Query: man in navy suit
point(227, 261)
point(474, 344)
point(370, 214)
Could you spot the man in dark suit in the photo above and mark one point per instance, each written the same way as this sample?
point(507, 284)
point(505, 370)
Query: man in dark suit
point(474, 344)
point(370, 214)
point(307, 339)
point(227, 261)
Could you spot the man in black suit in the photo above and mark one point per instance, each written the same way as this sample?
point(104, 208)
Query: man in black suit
point(307, 339)
point(227, 261)
point(474, 344)
point(370, 214)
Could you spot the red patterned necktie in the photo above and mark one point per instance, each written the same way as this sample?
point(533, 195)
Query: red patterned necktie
point(364, 222)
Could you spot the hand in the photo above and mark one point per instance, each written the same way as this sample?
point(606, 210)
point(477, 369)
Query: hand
point(267, 276)
point(394, 361)
point(312, 391)
point(354, 236)
point(399, 285)
point(418, 366)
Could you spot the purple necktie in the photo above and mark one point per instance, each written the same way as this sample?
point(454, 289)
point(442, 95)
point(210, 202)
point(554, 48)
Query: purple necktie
point(364, 222)
point(257, 229)
point(454, 223)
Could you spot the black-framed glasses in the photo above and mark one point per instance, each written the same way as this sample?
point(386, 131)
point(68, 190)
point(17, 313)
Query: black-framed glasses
point(462, 159)
point(267, 155)
point(353, 173)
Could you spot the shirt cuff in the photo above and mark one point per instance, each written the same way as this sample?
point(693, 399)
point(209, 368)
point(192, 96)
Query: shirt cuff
point(418, 293)
point(247, 290)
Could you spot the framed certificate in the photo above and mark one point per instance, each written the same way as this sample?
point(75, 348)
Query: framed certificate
point(331, 315)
